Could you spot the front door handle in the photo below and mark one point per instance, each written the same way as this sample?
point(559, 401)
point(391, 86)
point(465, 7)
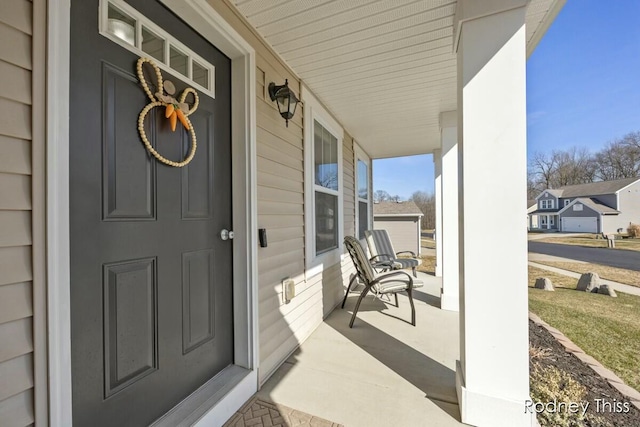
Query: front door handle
point(226, 234)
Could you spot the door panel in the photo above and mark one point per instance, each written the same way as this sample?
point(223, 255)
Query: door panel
point(129, 304)
point(133, 197)
point(151, 280)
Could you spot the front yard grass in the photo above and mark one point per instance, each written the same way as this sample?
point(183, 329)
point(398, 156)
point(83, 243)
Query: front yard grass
point(428, 265)
point(619, 275)
point(591, 240)
point(604, 327)
point(427, 243)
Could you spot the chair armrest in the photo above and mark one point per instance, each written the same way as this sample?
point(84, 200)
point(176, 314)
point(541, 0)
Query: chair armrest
point(389, 258)
point(387, 264)
point(413, 254)
point(384, 276)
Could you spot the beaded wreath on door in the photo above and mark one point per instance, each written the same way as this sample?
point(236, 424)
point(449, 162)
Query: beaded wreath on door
point(175, 110)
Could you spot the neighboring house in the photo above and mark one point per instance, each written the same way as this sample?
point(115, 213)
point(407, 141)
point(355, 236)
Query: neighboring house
point(597, 207)
point(125, 298)
point(402, 222)
point(532, 220)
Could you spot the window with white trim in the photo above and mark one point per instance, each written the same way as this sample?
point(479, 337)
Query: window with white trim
point(546, 204)
point(363, 192)
point(323, 184)
point(326, 180)
point(552, 220)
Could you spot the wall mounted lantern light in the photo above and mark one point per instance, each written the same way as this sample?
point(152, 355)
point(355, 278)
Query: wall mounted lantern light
point(285, 98)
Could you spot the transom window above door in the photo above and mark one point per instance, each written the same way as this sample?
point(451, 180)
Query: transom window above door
point(124, 25)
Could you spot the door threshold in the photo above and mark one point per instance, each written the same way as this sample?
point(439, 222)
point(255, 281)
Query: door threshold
point(215, 401)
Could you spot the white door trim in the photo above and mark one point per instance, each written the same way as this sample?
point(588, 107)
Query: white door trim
point(201, 16)
point(58, 294)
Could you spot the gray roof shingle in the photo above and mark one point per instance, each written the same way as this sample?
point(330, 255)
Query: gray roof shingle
point(394, 208)
point(594, 188)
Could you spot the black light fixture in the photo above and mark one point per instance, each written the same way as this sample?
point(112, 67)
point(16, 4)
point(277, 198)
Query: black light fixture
point(285, 98)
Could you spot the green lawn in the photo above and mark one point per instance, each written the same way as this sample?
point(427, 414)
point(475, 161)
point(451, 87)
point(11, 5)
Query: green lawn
point(428, 264)
point(619, 275)
point(604, 327)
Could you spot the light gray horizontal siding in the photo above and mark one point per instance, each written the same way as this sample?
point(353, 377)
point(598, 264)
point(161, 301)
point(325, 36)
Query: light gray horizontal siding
point(16, 202)
point(403, 232)
point(629, 206)
point(280, 163)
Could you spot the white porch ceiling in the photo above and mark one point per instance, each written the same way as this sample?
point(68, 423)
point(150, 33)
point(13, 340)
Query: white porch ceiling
point(384, 68)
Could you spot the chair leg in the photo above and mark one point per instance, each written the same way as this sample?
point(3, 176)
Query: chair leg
point(413, 309)
point(395, 294)
point(414, 272)
point(355, 310)
point(346, 294)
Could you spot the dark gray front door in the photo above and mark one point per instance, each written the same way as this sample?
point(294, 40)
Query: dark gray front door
point(151, 280)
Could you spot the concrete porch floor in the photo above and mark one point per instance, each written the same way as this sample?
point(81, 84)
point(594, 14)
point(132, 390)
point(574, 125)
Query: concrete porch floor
point(382, 372)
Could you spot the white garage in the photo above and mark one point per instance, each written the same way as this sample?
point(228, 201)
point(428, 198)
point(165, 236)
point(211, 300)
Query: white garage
point(402, 222)
point(580, 224)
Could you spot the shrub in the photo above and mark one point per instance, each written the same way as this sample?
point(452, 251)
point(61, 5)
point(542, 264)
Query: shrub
point(550, 384)
point(634, 230)
point(538, 352)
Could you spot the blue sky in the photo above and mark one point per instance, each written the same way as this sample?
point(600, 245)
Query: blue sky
point(583, 89)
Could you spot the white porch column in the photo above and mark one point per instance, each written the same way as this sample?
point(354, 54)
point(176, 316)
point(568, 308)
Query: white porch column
point(437, 160)
point(492, 378)
point(449, 295)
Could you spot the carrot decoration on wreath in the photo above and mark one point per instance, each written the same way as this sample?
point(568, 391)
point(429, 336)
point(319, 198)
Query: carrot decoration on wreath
point(175, 109)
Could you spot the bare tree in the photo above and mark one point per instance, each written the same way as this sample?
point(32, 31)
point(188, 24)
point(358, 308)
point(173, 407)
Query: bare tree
point(427, 204)
point(573, 166)
point(381, 196)
point(620, 158)
point(560, 168)
point(543, 168)
point(532, 187)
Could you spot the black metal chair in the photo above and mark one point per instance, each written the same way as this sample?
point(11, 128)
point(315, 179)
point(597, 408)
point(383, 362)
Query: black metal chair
point(390, 282)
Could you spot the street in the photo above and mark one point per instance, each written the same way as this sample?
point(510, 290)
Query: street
point(620, 258)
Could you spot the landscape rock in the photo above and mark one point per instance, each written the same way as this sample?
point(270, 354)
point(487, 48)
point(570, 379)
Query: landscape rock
point(607, 290)
point(589, 282)
point(544, 283)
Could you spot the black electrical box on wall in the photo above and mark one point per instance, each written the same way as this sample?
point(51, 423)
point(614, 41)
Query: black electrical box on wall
point(262, 234)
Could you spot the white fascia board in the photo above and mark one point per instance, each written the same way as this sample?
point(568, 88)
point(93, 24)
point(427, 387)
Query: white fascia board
point(544, 25)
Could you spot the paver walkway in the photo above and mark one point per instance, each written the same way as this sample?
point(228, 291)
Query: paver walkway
point(260, 413)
